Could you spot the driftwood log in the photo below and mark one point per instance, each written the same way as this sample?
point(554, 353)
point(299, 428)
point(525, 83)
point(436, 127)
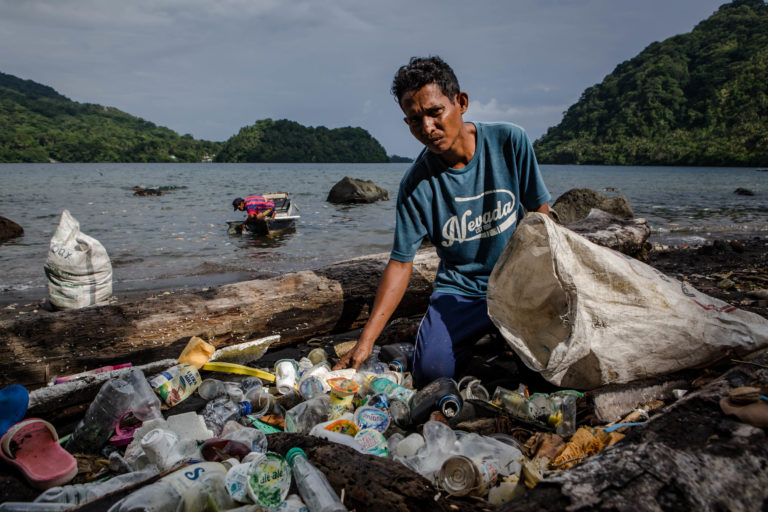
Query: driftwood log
point(692, 456)
point(297, 306)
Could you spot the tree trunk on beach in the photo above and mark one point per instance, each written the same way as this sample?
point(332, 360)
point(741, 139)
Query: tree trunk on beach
point(297, 306)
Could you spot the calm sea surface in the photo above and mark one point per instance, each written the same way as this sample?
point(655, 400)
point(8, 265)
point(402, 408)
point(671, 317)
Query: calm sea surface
point(180, 239)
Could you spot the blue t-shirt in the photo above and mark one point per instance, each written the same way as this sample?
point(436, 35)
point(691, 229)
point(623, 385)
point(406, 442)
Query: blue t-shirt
point(469, 214)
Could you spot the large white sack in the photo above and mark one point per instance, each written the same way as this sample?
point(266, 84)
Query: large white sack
point(584, 315)
point(78, 268)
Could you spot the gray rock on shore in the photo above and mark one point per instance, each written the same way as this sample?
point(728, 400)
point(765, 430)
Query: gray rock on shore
point(575, 204)
point(352, 190)
point(9, 229)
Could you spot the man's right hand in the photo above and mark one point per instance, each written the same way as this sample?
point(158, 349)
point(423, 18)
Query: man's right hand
point(355, 357)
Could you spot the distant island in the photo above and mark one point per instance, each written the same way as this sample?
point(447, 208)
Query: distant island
point(37, 124)
point(694, 99)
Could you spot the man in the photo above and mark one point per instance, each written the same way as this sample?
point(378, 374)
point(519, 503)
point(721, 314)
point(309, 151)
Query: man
point(257, 207)
point(466, 192)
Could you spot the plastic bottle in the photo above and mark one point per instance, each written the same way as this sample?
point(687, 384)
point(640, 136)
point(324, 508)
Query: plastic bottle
point(128, 392)
point(211, 388)
point(514, 402)
point(28, 506)
point(441, 395)
point(313, 487)
point(394, 391)
point(196, 487)
point(307, 414)
point(74, 494)
point(397, 356)
point(176, 383)
point(221, 410)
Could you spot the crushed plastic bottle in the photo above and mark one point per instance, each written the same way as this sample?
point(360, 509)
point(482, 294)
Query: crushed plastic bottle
point(312, 484)
point(128, 392)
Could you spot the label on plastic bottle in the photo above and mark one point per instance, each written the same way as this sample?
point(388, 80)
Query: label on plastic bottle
point(269, 480)
point(189, 481)
point(176, 383)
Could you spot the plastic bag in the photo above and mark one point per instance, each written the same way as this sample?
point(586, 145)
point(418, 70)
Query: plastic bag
point(78, 268)
point(584, 315)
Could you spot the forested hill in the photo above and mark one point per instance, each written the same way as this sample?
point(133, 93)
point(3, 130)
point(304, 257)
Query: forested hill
point(694, 99)
point(288, 141)
point(37, 124)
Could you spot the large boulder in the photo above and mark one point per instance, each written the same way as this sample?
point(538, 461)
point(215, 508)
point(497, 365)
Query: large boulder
point(629, 236)
point(352, 190)
point(9, 229)
point(575, 205)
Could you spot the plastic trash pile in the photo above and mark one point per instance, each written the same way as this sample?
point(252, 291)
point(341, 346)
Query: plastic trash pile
point(217, 456)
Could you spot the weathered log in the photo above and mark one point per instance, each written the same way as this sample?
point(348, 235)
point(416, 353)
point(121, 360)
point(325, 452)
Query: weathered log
point(628, 236)
point(297, 306)
point(692, 456)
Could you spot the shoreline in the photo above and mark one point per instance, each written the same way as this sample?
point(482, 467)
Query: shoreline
point(734, 270)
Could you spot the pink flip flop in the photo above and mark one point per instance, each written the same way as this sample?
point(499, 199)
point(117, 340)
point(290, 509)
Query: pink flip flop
point(33, 447)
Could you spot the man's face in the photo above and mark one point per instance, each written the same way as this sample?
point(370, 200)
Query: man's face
point(432, 118)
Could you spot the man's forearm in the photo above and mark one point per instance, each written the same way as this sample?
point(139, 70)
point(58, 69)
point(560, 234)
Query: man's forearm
point(394, 283)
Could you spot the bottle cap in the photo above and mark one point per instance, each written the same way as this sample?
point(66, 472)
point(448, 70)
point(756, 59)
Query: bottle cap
point(293, 452)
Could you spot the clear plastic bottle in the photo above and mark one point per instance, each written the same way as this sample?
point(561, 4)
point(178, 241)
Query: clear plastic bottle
point(196, 487)
point(128, 392)
point(74, 494)
point(307, 414)
point(313, 486)
point(219, 411)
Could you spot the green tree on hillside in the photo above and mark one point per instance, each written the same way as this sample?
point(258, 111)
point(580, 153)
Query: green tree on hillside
point(288, 141)
point(694, 99)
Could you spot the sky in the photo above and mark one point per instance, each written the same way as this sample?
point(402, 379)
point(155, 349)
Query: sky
point(211, 67)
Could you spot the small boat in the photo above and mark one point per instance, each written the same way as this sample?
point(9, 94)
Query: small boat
point(284, 219)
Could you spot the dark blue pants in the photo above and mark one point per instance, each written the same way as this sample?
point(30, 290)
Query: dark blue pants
point(447, 333)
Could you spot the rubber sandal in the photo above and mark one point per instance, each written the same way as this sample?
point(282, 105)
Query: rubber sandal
point(33, 447)
point(14, 401)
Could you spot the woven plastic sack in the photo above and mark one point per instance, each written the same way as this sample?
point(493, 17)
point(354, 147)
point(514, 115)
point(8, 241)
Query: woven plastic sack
point(584, 315)
point(78, 268)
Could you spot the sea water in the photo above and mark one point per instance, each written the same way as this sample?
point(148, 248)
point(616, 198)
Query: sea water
point(180, 240)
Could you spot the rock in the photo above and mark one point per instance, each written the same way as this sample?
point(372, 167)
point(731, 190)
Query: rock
point(148, 192)
point(743, 192)
point(628, 236)
point(9, 229)
point(352, 190)
point(736, 246)
point(575, 205)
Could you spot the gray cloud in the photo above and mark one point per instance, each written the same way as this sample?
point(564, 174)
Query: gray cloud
point(209, 68)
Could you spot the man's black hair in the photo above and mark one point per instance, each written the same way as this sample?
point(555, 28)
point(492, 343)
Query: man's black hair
point(421, 71)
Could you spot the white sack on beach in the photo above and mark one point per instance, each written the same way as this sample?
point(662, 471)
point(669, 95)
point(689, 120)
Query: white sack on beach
point(584, 315)
point(78, 268)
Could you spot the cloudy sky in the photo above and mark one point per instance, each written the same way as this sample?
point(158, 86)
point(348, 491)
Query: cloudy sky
point(210, 67)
